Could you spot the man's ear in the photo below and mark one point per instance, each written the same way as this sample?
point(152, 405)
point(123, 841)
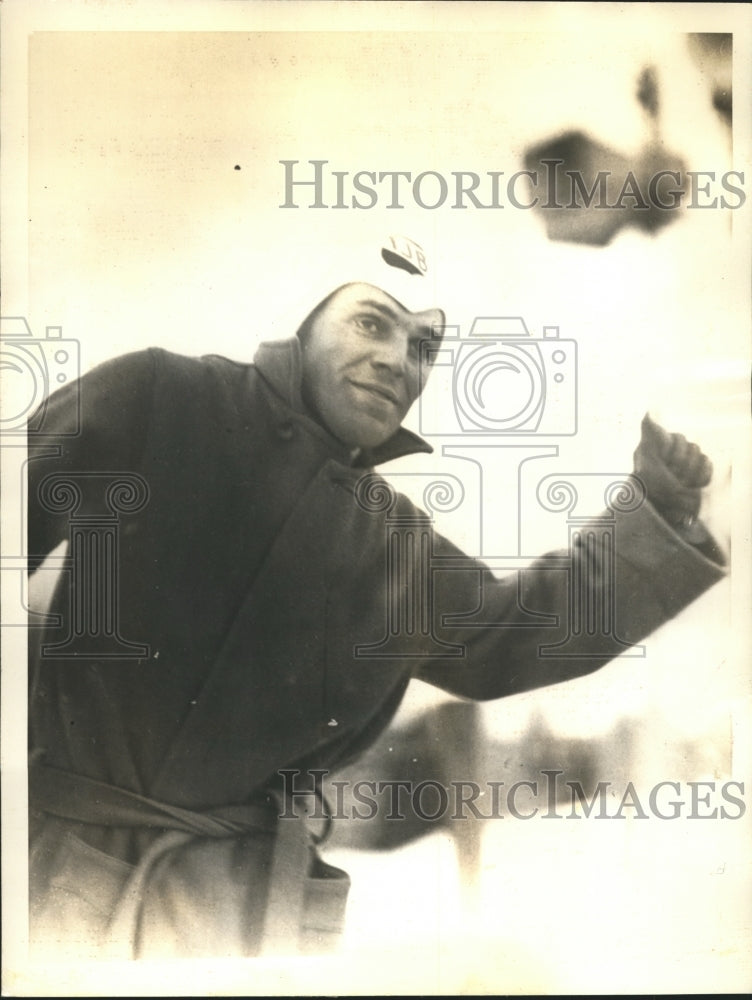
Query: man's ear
point(435, 322)
point(438, 323)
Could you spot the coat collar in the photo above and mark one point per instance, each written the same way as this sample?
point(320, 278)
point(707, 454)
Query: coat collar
point(280, 362)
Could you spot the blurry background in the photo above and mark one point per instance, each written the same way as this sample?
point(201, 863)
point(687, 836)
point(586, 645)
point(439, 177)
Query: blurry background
point(154, 187)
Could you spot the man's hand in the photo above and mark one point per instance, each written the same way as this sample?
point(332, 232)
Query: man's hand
point(674, 472)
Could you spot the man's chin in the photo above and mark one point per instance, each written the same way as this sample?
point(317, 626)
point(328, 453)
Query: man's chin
point(371, 434)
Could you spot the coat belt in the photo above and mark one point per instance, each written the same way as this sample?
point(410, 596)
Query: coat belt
point(87, 800)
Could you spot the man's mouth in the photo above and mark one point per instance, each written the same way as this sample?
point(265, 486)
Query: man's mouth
point(380, 391)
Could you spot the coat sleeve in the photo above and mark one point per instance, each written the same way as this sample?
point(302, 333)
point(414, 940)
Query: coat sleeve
point(96, 424)
point(550, 623)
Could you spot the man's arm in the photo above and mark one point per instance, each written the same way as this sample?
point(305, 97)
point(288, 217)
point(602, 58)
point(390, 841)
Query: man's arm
point(596, 606)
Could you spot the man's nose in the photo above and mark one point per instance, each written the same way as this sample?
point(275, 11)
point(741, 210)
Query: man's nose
point(391, 353)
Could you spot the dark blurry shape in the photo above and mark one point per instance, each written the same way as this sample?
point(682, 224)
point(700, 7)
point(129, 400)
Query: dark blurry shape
point(441, 745)
point(712, 52)
point(586, 760)
point(588, 192)
point(723, 104)
point(647, 91)
point(449, 744)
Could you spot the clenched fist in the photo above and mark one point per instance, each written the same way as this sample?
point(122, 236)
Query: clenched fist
point(674, 471)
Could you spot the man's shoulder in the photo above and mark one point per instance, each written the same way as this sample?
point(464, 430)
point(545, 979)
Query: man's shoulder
point(161, 356)
point(162, 366)
point(157, 384)
point(197, 366)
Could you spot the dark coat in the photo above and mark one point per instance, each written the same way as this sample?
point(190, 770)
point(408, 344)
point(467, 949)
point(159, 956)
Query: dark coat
point(252, 573)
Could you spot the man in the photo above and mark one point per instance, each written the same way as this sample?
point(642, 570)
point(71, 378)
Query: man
point(251, 574)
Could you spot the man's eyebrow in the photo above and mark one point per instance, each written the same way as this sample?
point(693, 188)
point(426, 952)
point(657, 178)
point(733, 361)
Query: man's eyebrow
point(425, 331)
point(379, 307)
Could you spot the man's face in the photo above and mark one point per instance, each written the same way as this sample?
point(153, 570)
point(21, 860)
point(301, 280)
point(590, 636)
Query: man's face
point(361, 363)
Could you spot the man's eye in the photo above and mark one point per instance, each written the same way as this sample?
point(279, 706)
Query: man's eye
point(371, 324)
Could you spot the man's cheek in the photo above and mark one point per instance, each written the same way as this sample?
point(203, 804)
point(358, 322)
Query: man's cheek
point(413, 388)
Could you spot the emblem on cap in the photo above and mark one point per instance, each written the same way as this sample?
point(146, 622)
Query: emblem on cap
point(399, 251)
